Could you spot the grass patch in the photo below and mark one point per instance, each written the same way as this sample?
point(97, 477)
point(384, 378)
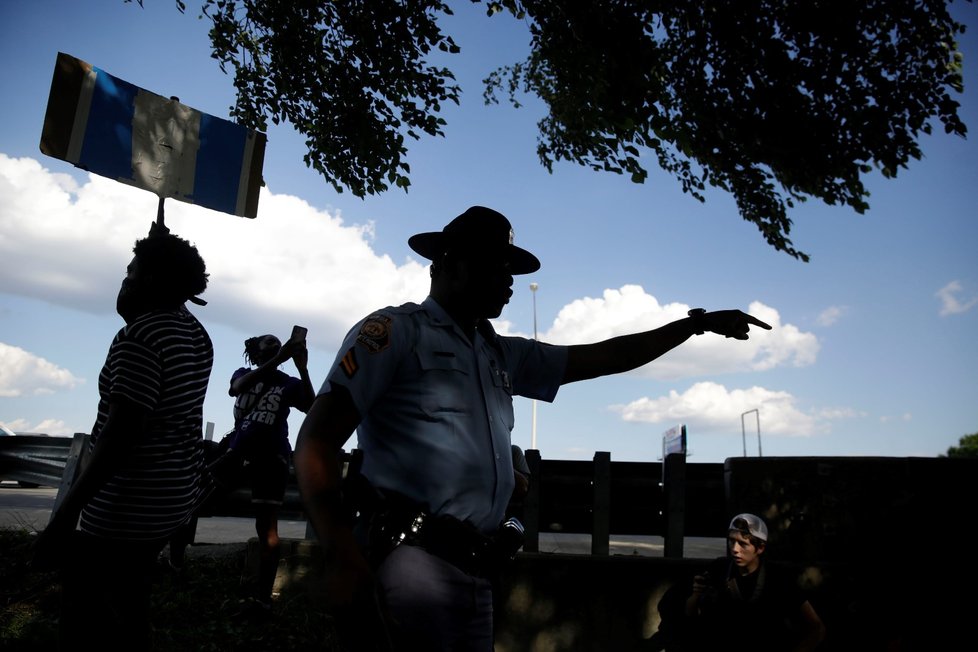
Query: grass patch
point(193, 611)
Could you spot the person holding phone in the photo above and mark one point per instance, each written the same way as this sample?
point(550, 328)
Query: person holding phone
point(259, 451)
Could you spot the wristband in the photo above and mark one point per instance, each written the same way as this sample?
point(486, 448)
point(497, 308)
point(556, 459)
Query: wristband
point(696, 314)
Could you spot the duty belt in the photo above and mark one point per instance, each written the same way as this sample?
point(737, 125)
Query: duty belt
point(387, 519)
point(458, 543)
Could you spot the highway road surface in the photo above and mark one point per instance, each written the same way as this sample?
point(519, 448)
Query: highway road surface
point(27, 508)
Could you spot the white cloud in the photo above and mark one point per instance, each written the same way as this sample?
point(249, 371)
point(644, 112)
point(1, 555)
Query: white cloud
point(505, 327)
point(951, 304)
point(839, 413)
point(630, 309)
point(830, 316)
point(906, 416)
point(53, 427)
point(69, 244)
point(25, 374)
point(711, 407)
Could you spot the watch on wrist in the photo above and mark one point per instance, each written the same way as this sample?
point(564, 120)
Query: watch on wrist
point(696, 314)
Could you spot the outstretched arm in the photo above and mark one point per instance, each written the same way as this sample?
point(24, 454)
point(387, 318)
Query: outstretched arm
point(627, 352)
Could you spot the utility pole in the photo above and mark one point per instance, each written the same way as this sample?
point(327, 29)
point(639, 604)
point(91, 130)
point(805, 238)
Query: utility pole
point(533, 437)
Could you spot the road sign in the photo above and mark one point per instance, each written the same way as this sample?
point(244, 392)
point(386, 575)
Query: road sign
point(674, 441)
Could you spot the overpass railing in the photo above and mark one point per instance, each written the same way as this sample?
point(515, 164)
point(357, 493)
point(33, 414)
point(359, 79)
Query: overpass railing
point(817, 508)
point(600, 497)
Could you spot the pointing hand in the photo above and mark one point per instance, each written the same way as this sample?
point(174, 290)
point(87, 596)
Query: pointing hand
point(729, 323)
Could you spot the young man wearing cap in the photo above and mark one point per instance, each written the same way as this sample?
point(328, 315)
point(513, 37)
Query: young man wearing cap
point(742, 596)
point(429, 390)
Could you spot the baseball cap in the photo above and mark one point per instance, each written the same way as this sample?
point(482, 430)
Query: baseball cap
point(749, 524)
point(477, 229)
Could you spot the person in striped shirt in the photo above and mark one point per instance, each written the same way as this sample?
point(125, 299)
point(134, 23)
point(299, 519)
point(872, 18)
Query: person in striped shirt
point(141, 476)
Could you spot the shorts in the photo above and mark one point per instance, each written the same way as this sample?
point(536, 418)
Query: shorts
point(268, 477)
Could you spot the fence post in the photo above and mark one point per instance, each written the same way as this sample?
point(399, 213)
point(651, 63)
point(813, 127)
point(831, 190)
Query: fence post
point(674, 487)
point(531, 504)
point(601, 526)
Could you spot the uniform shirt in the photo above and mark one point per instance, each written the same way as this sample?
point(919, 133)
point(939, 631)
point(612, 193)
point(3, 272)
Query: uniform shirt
point(261, 414)
point(437, 410)
point(161, 361)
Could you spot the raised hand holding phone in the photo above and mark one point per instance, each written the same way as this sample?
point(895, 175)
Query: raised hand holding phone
point(295, 348)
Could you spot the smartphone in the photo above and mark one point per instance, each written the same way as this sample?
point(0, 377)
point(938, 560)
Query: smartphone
point(299, 333)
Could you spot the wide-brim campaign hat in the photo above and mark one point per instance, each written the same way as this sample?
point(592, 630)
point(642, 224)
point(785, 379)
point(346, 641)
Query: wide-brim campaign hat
point(478, 229)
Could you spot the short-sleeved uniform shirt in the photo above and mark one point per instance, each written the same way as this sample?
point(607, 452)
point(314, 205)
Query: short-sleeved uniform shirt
point(437, 409)
point(161, 361)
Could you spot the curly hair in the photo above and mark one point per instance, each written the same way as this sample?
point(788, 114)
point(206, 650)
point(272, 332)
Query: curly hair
point(252, 352)
point(175, 266)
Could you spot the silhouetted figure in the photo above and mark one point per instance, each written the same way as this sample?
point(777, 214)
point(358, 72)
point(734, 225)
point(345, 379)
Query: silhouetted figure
point(429, 390)
point(259, 452)
point(141, 478)
point(741, 600)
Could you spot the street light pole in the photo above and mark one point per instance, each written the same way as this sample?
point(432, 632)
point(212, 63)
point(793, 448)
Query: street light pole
point(533, 437)
point(743, 430)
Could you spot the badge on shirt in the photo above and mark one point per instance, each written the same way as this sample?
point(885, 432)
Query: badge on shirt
point(375, 334)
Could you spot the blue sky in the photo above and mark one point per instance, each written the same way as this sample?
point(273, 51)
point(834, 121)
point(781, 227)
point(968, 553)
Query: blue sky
point(873, 351)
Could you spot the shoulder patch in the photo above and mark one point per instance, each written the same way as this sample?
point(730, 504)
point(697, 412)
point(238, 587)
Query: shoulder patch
point(375, 334)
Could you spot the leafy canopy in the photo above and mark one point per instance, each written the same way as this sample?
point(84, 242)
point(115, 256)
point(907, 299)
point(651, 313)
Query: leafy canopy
point(772, 101)
point(967, 447)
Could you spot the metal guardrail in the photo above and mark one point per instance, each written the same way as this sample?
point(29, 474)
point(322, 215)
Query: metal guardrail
point(597, 497)
point(37, 460)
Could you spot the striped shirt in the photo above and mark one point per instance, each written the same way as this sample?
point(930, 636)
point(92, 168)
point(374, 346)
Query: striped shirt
point(161, 361)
